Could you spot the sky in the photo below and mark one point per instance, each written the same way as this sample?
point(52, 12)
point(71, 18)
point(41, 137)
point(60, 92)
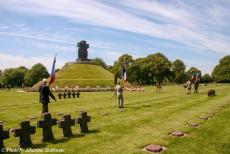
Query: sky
point(32, 31)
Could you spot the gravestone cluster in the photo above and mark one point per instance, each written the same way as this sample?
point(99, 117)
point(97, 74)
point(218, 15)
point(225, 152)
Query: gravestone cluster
point(64, 95)
point(46, 123)
point(211, 92)
point(78, 89)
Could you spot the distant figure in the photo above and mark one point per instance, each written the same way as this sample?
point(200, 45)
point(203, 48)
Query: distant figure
point(8, 87)
point(196, 86)
point(189, 87)
point(158, 87)
point(45, 92)
point(119, 94)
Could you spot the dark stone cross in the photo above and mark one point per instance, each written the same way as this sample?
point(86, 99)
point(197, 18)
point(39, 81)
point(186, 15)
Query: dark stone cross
point(74, 94)
point(82, 50)
point(69, 94)
point(24, 134)
point(78, 94)
point(66, 124)
point(46, 124)
point(4, 134)
point(59, 95)
point(64, 95)
point(83, 121)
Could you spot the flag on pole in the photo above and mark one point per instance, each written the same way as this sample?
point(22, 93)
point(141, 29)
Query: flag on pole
point(123, 72)
point(52, 75)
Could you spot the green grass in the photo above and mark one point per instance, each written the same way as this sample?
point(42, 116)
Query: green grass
point(83, 75)
point(147, 118)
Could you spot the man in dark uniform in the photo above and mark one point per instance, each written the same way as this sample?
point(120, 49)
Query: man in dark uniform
point(44, 95)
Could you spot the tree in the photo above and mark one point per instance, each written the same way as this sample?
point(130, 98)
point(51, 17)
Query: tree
point(206, 78)
point(136, 71)
point(117, 64)
point(221, 72)
point(192, 71)
point(1, 83)
point(158, 67)
point(99, 62)
point(178, 69)
point(35, 74)
point(14, 76)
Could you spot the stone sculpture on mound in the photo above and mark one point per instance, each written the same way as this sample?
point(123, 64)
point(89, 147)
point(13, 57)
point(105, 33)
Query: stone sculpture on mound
point(82, 51)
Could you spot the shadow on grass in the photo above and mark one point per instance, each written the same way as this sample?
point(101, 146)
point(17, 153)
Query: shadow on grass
point(138, 107)
point(39, 146)
point(56, 141)
point(93, 131)
point(77, 135)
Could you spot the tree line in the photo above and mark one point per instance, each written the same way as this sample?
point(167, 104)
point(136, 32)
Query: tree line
point(148, 70)
point(157, 67)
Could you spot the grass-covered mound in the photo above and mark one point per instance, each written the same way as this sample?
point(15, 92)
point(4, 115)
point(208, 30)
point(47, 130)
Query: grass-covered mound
point(82, 75)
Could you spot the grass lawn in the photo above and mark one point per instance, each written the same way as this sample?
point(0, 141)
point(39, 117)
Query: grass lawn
point(147, 118)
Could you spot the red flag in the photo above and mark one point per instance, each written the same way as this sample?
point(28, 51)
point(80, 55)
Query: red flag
point(52, 75)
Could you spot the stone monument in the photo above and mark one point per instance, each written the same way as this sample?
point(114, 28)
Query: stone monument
point(82, 52)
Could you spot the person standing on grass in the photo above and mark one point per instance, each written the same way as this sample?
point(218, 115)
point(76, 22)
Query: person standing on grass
point(45, 92)
point(189, 87)
point(119, 94)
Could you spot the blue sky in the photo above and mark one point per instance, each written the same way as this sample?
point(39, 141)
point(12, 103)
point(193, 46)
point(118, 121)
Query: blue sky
point(32, 31)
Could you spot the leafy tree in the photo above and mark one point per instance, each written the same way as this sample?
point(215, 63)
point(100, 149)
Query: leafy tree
point(14, 76)
point(206, 78)
point(136, 71)
point(100, 62)
point(178, 69)
point(117, 64)
point(221, 72)
point(158, 67)
point(1, 83)
point(192, 71)
point(35, 74)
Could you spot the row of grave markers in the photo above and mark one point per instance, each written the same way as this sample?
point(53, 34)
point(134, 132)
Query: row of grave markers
point(46, 124)
point(68, 95)
point(156, 148)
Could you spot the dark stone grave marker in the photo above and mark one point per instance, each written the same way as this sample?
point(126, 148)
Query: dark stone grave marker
point(78, 94)
point(46, 124)
point(4, 134)
point(24, 134)
point(154, 148)
point(64, 95)
point(177, 133)
point(69, 94)
point(66, 124)
point(193, 124)
point(74, 95)
point(83, 121)
point(204, 117)
point(59, 95)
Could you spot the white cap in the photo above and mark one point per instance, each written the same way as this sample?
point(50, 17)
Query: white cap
point(44, 80)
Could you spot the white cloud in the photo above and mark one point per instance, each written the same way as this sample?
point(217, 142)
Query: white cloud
point(181, 22)
point(13, 61)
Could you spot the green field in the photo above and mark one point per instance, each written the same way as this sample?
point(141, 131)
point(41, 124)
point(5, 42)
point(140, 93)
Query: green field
point(147, 118)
